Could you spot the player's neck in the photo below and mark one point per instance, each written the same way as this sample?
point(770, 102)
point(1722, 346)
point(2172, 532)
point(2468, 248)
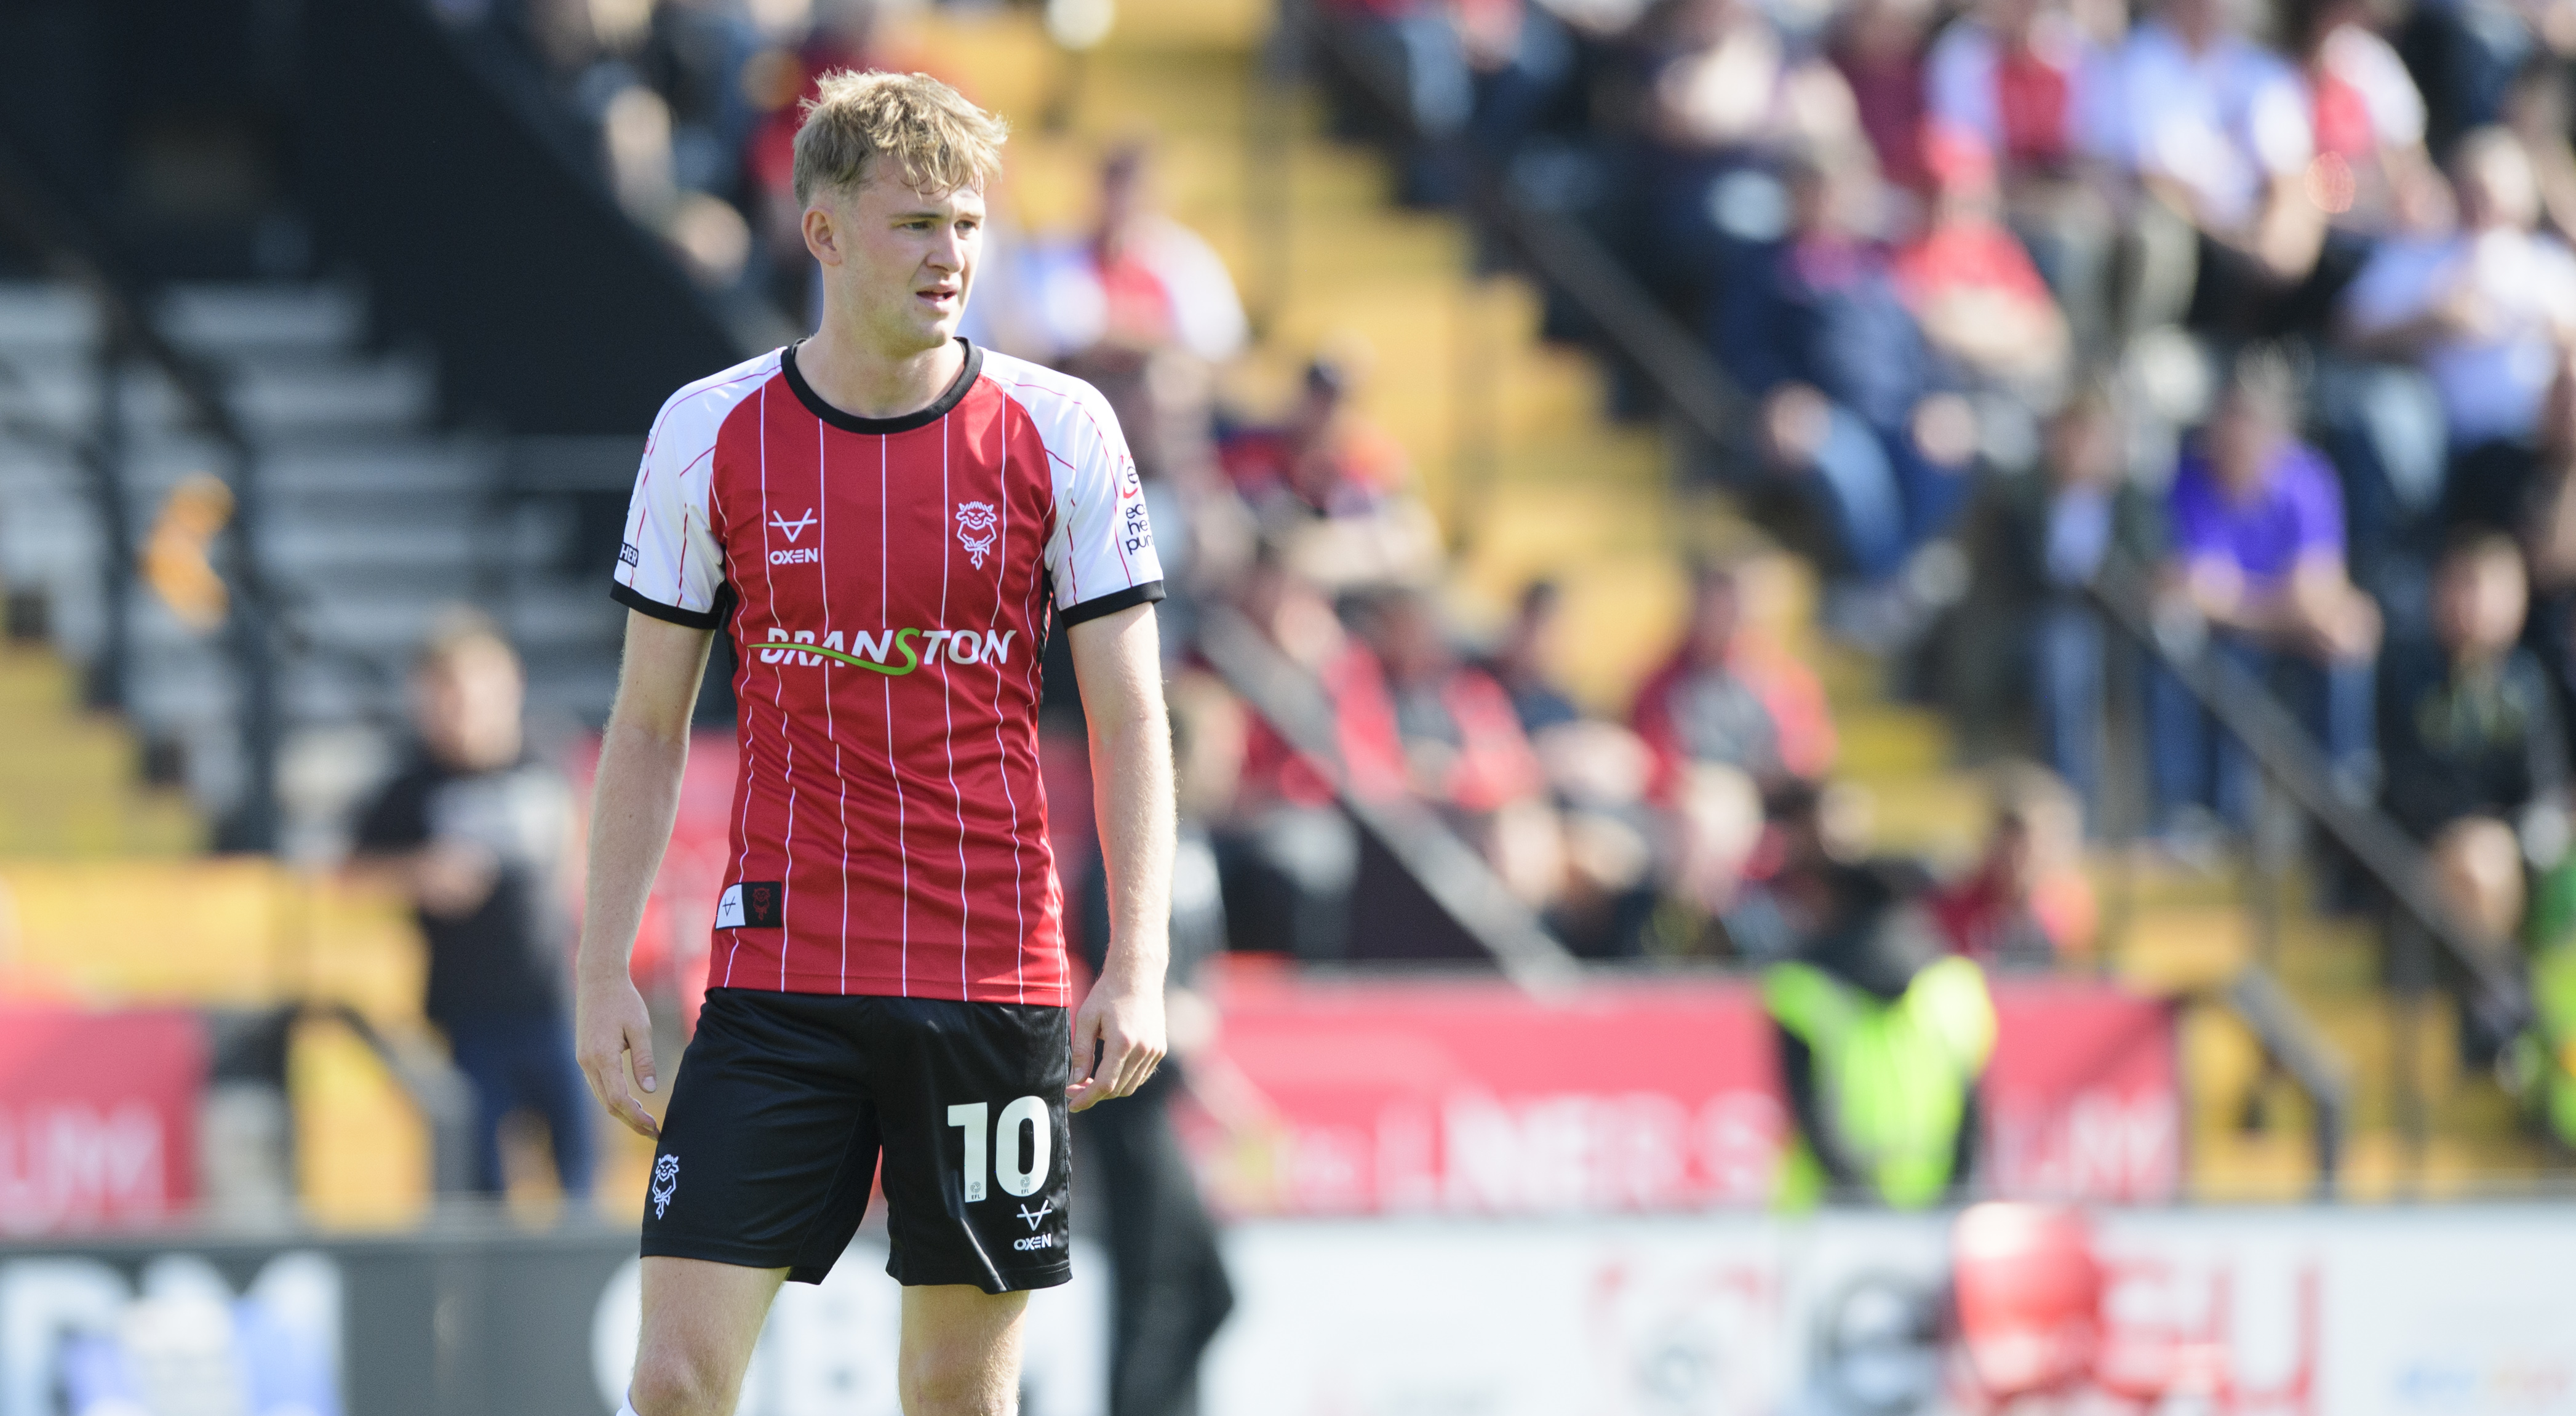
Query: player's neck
point(857, 376)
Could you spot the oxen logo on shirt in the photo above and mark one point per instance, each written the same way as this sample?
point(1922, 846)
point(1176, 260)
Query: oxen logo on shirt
point(975, 526)
point(791, 529)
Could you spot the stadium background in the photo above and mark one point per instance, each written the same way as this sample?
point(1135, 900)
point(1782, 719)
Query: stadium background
point(319, 317)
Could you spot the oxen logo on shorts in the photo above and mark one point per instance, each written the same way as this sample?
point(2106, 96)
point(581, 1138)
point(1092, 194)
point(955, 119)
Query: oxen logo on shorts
point(666, 1178)
point(975, 526)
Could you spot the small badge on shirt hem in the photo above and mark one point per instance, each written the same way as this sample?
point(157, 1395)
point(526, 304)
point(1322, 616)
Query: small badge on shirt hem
point(750, 904)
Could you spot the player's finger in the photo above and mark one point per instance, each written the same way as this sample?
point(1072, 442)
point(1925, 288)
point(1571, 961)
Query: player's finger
point(1117, 1054)
point(1086, 1041)
point(631, 1112)
point(640, 1042)
point(608, 1083)
point(1141, 1062)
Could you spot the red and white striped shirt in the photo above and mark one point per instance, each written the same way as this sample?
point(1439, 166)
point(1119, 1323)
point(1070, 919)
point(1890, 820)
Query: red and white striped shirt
point(888, 582)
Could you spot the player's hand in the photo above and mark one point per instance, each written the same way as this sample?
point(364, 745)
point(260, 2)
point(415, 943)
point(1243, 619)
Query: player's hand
point(1123, 1024)
point(609, 1024)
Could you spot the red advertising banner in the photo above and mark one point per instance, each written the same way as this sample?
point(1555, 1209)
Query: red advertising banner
point(98, 1117)
point(1394, 1096)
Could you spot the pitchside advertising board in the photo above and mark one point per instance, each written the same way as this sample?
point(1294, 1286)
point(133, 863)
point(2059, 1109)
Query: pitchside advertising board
point(2228, 1313)
point(1475, 1098)
point(97, 1117)
point(2414, 1312)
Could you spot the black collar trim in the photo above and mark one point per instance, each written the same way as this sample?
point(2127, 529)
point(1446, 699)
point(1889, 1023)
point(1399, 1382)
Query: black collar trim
point(937, 409)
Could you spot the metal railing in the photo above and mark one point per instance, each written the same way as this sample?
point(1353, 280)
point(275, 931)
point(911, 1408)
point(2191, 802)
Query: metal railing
point(2416, 920)
point(1448, 869)
point(52, 223)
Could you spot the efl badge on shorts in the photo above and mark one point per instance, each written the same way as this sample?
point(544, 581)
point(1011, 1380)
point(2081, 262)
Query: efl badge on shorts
point(753, 904)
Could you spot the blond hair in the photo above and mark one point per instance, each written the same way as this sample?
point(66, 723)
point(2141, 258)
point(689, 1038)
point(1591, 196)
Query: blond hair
point(939, 140)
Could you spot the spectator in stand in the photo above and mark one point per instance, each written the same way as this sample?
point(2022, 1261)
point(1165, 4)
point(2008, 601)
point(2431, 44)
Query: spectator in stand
point(2029, 83)
point(1878, 46)
point(1144, 311)
point(2470, 733)
point(1708, 836)
point(1525, 662)
point(693, 55)
point(1420, 56)
point(2371, 174)
point(2539, 111)
point(1820, 318)
point(1522, 59)
point(483, 838)
point(1328, 490)
point(2258, 555)
point(1600, 772)
point(1460, 734)
point(1464, 750)
point(1289, 855)
point(2467, 53)
point(2216, 127)
point(1971, 285)
point(2547, 529)
point(842, 34)
point(2027, 904)
point(1729, 695)
point(2038, 542)
point(1723, 95)
point(2486, 312)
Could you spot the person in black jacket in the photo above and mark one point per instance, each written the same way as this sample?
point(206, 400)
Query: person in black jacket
point(1171, 1293)
point(479, 834)
point(2470, 738)
point(2038, 542)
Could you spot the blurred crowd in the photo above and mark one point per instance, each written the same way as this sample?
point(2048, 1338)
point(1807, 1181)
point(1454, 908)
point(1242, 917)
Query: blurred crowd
point(1695, 821)
point(2263, 310)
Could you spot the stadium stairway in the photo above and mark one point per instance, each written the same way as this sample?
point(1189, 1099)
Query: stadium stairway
point(1514, 452)
point(374, 517)
point(371, 517)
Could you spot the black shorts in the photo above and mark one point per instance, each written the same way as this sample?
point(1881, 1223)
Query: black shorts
point(785, 1100)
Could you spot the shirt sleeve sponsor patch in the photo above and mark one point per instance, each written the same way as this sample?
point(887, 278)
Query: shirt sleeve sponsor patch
point(628, 555)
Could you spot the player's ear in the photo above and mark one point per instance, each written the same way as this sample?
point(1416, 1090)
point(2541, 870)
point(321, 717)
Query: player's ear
point(821, 237)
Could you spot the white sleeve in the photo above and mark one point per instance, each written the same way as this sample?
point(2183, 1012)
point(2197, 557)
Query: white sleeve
point(1101, 553)
point(2387, 90)
point(2277, 126)
point(670, 565)
point(1204, 304)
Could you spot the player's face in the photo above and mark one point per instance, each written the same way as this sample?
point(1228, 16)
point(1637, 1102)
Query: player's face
point(899, 260)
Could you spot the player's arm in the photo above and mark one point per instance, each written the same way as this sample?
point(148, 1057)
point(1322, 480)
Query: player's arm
point(641, 757)
point(1119, 667)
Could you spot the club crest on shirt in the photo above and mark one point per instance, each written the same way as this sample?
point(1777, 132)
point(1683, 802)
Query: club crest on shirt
point(976, 522)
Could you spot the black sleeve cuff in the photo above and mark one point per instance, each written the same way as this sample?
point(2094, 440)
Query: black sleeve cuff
point(1110, 604)
point(643, 604)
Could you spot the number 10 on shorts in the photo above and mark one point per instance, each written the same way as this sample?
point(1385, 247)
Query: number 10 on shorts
point(1004, 1142)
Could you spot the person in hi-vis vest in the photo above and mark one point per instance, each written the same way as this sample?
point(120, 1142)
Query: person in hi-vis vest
point(1882, 1039)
